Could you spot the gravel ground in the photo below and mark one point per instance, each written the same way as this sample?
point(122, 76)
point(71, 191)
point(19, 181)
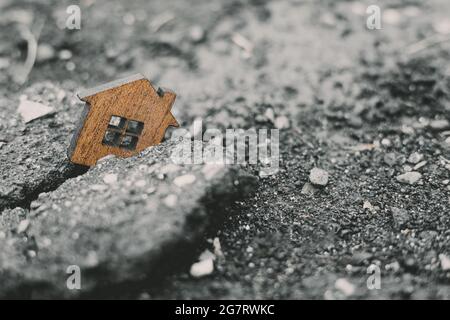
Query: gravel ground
point(369, 108)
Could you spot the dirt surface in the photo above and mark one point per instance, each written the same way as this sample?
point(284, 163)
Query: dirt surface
point(367, 106)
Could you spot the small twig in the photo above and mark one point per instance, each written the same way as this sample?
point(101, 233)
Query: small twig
point(243, 43)
point(426, 43)
point(161, 20)
point(32, 44)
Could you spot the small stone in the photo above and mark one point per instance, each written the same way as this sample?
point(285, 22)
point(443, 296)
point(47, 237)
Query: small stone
point(420, 165)
point(217, 247)
point(65, 54)
point(308, 189)
point(4, 63)
point(269, 114)
point(30, 110)
point(170, 200)
point(409, 177)
point(407, 168)
point(390, 159)
point(184, 180)
point(344, 286)
point(394, 266)
point(205, 255)
point(197, 34)
point(318, 177)
point(110, 178)
point(99, 187)
point(386, 142)
point(91, 259)
point(140, 183)
point(445, 262)
point(265, 172)
point(415, 158)
point(368, 206)
point(169, 168)
point(202, 268)
point(210, 170)
point(400, 216)
point(23, 226)
point(282, 122)
point(440, 124)
point(45, 52)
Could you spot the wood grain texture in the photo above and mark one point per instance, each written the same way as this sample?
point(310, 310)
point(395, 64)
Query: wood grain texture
point(137, 101)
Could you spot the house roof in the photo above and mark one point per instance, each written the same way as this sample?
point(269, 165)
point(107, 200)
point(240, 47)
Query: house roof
point(106, 86)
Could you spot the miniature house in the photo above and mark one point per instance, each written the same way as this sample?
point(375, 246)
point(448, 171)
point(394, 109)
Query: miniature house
point(122, 118)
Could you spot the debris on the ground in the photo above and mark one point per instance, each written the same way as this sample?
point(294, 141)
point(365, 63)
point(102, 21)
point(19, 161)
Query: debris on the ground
point(23, 226)
point(318, 177)
point(45, 52)
point(30, 110)
point(243, 43)
point(445, 262)
point(197, 34)
point(411, 177)
point(420, 165)
point(308, 189)
point(345, 286)
point(401, 217)
point(217, 247)
point(202, 268)
point(184, 180)
point(205, 255)
point(171, 200)
point(110, 178)
point(415, 158)
point(281, 122)
point(367, 205)
point(440, 124)
point(390, 159)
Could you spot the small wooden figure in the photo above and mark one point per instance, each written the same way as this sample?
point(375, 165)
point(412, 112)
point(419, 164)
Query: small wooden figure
point(122, 117)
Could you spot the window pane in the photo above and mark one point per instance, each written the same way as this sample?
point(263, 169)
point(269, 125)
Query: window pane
point(111, 138)
point(135, 127)
point(116, 122)
point(129, 142)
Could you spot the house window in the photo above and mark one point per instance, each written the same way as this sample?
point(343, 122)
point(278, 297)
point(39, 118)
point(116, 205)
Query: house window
point(123, 133)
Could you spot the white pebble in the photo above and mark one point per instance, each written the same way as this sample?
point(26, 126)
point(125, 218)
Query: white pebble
point(170, 200)
point(344, 286)
point(202, 268)
point(318, 177)
point(409, 177)
point(23, 226)
point(110, 178)
point(184, 180)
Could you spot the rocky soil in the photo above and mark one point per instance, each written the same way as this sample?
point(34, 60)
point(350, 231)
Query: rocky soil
point(364, 173)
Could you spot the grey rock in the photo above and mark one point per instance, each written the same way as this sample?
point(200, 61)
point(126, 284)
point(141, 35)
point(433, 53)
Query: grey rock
point(36, 161)
point(415, 158)
point(420, 165)
point(318, 177)
point(308, 189)
point(439, 125)
point(116, 235)
point(390, 159)
point(401, 217)
point(411, 177)
point(30, 110)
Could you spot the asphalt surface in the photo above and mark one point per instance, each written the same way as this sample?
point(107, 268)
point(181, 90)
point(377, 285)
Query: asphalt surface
point(370, 107)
